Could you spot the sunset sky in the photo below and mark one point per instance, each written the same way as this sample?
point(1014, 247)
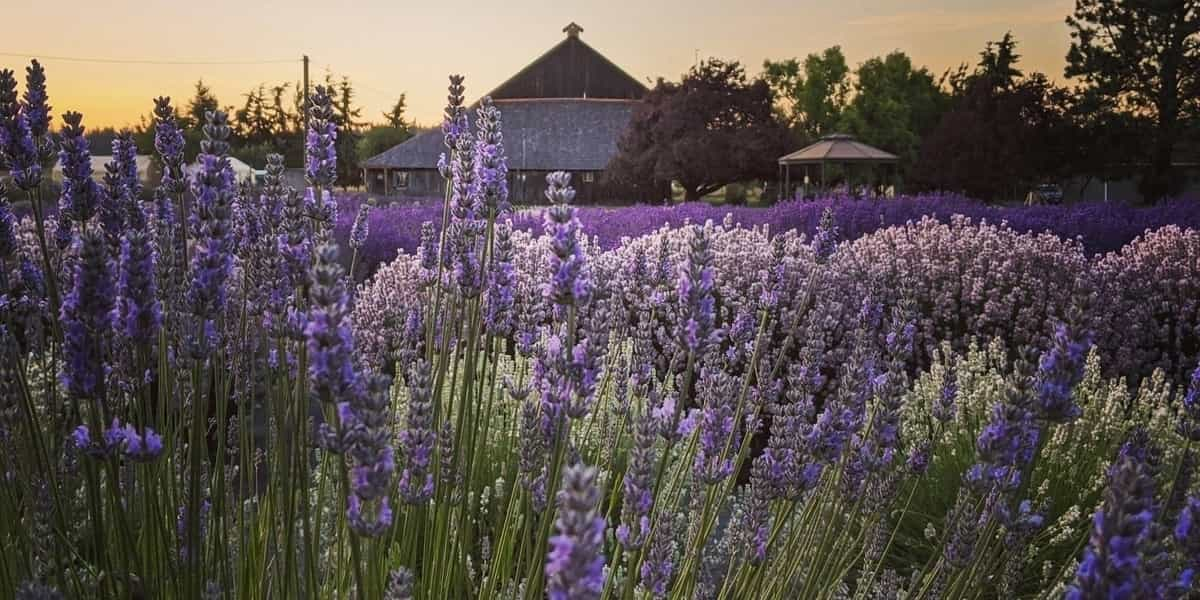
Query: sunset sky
point(389, 47)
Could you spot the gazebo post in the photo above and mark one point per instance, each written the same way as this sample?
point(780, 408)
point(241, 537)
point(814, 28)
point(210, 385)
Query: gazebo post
point(787, 179)
point(779, 181)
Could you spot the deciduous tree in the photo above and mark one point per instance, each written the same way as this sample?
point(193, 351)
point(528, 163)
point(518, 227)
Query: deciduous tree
point(712, 128)
point(1146, 54)
point(813, 93)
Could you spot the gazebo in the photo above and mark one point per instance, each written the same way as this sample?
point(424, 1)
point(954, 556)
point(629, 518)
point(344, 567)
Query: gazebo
point(837, 149)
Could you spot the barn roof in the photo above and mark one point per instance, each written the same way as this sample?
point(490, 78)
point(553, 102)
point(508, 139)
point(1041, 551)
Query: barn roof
point(570, 134)
point(570, 69)
point(837, 147)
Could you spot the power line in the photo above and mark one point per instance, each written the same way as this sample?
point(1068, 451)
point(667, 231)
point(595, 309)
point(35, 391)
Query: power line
point(137, 61)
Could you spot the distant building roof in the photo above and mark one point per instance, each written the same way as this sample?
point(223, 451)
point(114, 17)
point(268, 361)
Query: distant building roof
point(539, 134)
point(837, 147)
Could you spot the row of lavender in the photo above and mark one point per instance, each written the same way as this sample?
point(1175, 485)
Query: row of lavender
point(967, 282)
point(1102, 227)
point(196, 403)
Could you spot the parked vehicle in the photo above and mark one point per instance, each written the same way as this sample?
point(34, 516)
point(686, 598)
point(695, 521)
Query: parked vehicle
point(1046, 193)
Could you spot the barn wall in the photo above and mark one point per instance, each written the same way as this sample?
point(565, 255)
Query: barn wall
point(422, 183)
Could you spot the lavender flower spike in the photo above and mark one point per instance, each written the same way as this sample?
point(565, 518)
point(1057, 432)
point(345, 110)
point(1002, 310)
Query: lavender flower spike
point(320, 152)
point(361, 228)
point(571, 280)
point(169, 142)
point(697, 305)
point(211, 216)
point(86, 319)
point(1189, 424)
point(416, 481)
point(575, 563)
point(1059, 371)
point(454, 121)
point(1119, 559)
point(80, 193)
point(639, 485)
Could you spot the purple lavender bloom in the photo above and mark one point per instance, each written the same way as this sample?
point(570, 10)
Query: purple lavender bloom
point(32, 590)
point(759, 521)
point(320, 151)
point(491, 167)
point(294, 241)
point(169, 143)
point(659, 565)
point(20, 152)
point(428, 253)
point(367, 438)
point(8, 229)
point(328, 331)
point(449, 477)
point(918, 459)
point(125, 151)
point(1187, 533)
point(80, 193)
point(944, 408)
point(360, 230)
point(87, 321)
point(18, 149)
point(114, 198)
point(140, 447)
point(37, 107)
point(639, 485)
point(1060, 369)
point(1189, 424)
point(400, 585)
point(464, 241)
point(1004, 446)
point(575, 563)
point(1118, 561)
point(825, 240)
point(9, 107)
point(718, 435)
point(498, 309)
point(454, 122)
point(532, 448)
point(697, 305)
point(418, 439)
point(212, 210)
point(570, 282)
point(140, 311)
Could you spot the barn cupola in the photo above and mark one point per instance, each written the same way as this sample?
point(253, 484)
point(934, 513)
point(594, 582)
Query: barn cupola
point(572, 29)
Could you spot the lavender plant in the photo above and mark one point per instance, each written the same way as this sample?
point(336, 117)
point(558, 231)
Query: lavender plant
point(213, 409)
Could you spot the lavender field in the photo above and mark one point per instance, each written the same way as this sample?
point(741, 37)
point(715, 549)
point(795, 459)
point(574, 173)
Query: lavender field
point(1101, 227)
point(910, 398)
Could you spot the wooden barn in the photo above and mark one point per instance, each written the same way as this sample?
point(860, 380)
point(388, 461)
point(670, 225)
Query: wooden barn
point(565, 111)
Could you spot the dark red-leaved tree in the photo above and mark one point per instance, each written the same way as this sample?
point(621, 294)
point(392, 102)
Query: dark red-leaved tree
point(713, 128)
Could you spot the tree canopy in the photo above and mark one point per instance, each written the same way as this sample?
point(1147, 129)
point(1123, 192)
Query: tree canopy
point(894, 105)
point(813, 93)
point(1146, 55)
point(1005, 131)
point(713, 128)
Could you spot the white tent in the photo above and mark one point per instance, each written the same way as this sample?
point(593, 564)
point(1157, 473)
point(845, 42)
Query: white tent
point(241, 170)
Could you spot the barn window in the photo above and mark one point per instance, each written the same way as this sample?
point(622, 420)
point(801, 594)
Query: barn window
point(589, 177)
point(400, 179)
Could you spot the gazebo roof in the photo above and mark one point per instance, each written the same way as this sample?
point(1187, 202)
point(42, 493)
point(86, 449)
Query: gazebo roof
point(837, 148)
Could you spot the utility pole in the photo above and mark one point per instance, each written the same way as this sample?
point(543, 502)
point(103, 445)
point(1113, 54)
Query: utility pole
point(305, 94)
